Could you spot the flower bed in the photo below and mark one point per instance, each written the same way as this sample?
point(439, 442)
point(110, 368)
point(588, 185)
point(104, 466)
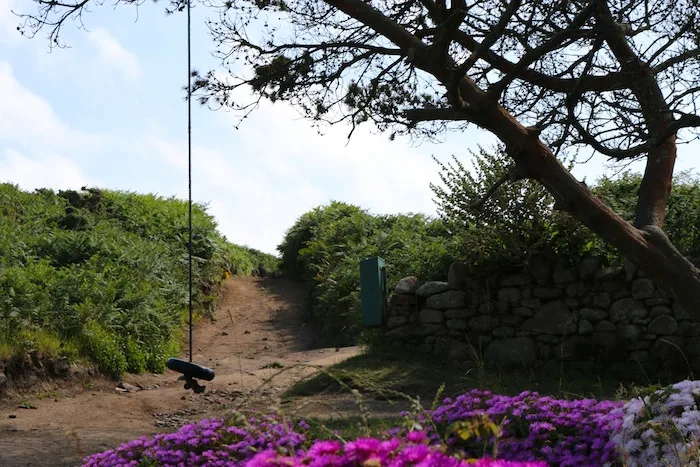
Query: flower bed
point(267, 442)
point(213, 442)
point(662, 428)
point(413, 449)
point(561, 432)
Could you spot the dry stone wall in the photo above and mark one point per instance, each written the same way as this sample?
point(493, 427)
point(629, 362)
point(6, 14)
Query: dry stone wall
point(588, 315)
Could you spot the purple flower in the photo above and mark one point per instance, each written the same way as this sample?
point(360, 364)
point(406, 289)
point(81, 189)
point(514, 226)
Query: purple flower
point(559, 432)
point(534, 430)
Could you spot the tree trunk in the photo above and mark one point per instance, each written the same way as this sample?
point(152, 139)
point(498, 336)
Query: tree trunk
point(656, 185)
point(647, 247)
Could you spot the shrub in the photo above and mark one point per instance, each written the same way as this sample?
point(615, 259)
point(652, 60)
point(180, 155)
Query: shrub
point(519, 220)
point(512, 220)
point(682, 213)
point(298, 265)
point(103, 347)
point(514, 223)
point(325, 246)
point(106, 272)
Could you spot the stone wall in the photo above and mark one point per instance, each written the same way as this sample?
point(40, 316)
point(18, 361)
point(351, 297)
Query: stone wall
point(589, 315)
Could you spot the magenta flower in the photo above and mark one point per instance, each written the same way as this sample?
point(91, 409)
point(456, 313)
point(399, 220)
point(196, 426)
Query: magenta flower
point(321, 448)
point(535, 431)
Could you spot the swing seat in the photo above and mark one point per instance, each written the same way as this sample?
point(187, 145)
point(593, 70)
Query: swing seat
point(190, 370)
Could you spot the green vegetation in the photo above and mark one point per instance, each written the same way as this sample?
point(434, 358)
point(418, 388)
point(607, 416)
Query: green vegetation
point(273, 366)
point(325, 245)
point(103, 274)
point(390, 375)
point(513, 223)
point(349, 428)
point(682, 214)
point(520, 220)
point(397, 377)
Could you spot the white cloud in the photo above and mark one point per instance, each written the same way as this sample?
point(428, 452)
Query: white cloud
point(370, 170)
point(257, 180)
point(47, 170)
point(167, 151)
point(28, 120)
point(32, 138)
point(252, 205)
point(113, 56)
point(260, 179)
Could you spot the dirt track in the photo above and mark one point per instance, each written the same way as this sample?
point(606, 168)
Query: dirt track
point(259, 325)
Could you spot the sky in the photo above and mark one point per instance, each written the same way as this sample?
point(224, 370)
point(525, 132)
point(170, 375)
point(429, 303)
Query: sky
point(109, 112)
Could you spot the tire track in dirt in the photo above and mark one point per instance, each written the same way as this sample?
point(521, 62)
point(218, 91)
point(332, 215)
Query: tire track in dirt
point(259, 324)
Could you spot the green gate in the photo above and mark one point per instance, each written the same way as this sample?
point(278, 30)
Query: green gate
point(373, 291)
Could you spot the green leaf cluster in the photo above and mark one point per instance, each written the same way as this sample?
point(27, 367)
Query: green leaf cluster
point(105, 273)
point(520, 221)
point(683, 208)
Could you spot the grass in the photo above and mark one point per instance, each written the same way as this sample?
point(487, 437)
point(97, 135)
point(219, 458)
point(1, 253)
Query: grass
point(391, 374)
point(387, 372)
point(25, 404)
point(7, 351)
point(46, 395)
point(350, 428)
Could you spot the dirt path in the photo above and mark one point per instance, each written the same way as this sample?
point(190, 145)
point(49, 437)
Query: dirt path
point(259, 327)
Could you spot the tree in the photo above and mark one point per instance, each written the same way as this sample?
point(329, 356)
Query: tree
point(503, 225)
point(549, 78)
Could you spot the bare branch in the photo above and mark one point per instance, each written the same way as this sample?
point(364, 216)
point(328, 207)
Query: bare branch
point(556, 41)
point(682, 57)
point(490, 38)
point(426, 115)
point(608, 82)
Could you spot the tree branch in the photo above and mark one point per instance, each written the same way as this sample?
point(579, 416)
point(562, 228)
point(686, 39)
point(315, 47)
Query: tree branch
point(490, 38)
point(322, 46)
point(685, 121)
point(675, 60)
point(425, 115)
point(686, 27)
point(556, 41)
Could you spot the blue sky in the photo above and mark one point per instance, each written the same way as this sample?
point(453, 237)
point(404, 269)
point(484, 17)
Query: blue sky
point(109, 112)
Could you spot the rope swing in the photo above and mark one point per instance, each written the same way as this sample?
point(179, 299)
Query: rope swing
point(190, 371)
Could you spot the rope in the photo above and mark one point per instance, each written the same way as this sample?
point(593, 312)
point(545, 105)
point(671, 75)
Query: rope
point(189, 162)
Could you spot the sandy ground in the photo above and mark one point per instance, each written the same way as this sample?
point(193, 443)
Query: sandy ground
point(259, 327)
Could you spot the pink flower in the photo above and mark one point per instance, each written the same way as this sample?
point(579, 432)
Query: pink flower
point(416, 437)
point(321, 448)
